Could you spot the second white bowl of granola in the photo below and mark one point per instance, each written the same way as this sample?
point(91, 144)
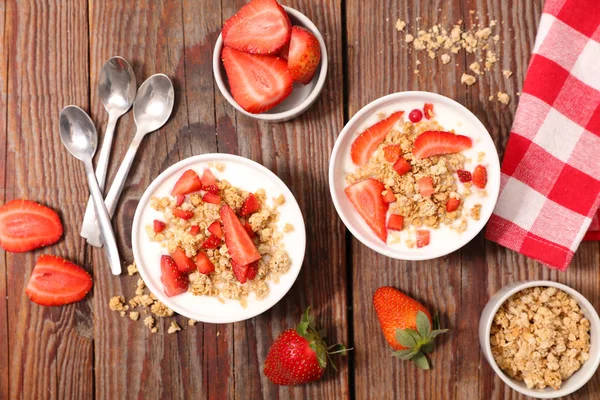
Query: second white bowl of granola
point(179, 241)
point(434, 165)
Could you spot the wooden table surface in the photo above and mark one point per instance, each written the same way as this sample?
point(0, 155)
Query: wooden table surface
point(51, 53)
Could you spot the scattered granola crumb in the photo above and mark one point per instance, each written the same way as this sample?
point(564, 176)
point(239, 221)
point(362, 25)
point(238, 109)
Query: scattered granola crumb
point(475, 68)
point(409, 38)
point(174, 327)
point(496, 38)
point(123, 313)
point(483, 34)
point(476, 212)
point(467, 79)
point(149, 322)
point(471, 12)
point(134, 315)
point(117, 303)
point(400, 25)
point(480, 156)
point(507, 73)
point(445, 58)
point(491, 98)
point(132, 269)
point(220, 166)
point(159, 309)
point(192, 322)
point(503, 98)
point(218, 333)
point(287, 228)
point(490, 59)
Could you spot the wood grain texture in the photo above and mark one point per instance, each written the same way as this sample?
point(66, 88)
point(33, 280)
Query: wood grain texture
point(51, 351)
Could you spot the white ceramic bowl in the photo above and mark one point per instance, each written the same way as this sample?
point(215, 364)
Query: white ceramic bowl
point(451, 115)
point(242, 173)
point(579, 378)
point(301, 98)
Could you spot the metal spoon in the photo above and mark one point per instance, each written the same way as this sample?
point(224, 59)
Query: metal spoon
point(151, 109)
point(116, 87)
point(79, 136)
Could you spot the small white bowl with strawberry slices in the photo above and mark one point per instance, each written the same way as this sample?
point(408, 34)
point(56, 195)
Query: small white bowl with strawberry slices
point(270, 62)
point(414, 175)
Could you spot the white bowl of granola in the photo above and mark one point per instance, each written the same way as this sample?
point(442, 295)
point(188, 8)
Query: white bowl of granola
point(435, 166)
point(542, 338)
point(183, 224)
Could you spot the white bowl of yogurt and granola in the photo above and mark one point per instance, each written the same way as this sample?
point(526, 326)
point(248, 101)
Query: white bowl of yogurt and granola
point(542, 338)
point(414, 175)
point(218, 238)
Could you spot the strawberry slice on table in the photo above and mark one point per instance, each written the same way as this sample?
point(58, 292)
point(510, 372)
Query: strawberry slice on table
point(396, 222)
point(401, 166)
point(208, 179)
point(183, 214)
point(203, 263)
point(258, 83)
point(159, 226)
point(56, 281)
point(300, 355)
point(464, 176)
point(304, 55)
point(184, 263)
point(391, 153)
point(26, 225)
point(175, 282)
point(260, 27)
point(426, 186)
point(240, 272)
point(433, 143)
point(216, 230)
point(239, 244)
point(187, 183)
point(212, 242)
point(367, 200)
point(366, 143)
point(211, 198)
point(250, 206)
point(452, 204)
point(422, 238)
point(480, 176)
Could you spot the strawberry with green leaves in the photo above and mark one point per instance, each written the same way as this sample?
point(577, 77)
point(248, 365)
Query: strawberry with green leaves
point(406, 325)
point(300, 355)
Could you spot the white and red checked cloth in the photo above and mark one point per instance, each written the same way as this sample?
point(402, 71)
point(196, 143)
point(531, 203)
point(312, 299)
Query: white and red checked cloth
point(550, 185)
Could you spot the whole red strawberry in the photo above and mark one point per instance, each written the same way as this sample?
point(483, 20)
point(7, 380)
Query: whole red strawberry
point(299, 355)
point(406, 325)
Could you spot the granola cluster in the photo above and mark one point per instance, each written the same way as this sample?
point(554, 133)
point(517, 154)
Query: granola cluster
point(417, 210)
point(540, 336)
point(222, 283)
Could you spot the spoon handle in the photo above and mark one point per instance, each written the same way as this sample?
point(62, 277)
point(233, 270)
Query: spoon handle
point(112, 198)
point(106, 230)
point(101, 168)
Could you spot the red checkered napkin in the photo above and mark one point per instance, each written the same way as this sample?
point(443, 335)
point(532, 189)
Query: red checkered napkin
point(550, 185)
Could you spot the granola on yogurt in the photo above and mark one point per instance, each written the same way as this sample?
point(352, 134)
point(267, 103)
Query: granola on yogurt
point(541, 337)
point(199, 220)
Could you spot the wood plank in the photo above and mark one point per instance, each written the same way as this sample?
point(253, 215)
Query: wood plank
point(51, 349)
point(298, 152)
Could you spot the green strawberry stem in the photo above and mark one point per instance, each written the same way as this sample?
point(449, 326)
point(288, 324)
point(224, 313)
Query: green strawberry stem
point(316, 340)
point(420, 342)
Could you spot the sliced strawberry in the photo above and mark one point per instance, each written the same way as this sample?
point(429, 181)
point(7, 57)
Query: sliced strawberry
point(480, 176)
point(159, 226)
point(183, 214)
point(284, 51)
point(428, 111)
point(433, 143)
point(366, 143)
point(212, 242)
point(248, 229)
point(464, 176)
point(452, 204)
point(26, 225)
point(56, 281)
point(252, 270)
point(426, 186)
point(391, 153)
point(258, 83)
point(304, 55)
point(368, 202)
point(422, 238)
point(179, 199)
point(211, 198)
point(260, 27)
point(208, 179)
point(389, 196)
point(215, 229)
point(396, 222)
point(240, 271)
point(401, 166)
point(174, 281)
point(212, 189)
point(188, 183)
point(239, 244)
point(184, 263)
point(194, 230)
point(203, 263)
point(250, 206)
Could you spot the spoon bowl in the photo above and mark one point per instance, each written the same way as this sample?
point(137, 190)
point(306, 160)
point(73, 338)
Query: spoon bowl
point(153, 103)
point(117, 86)
point(78, 133)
